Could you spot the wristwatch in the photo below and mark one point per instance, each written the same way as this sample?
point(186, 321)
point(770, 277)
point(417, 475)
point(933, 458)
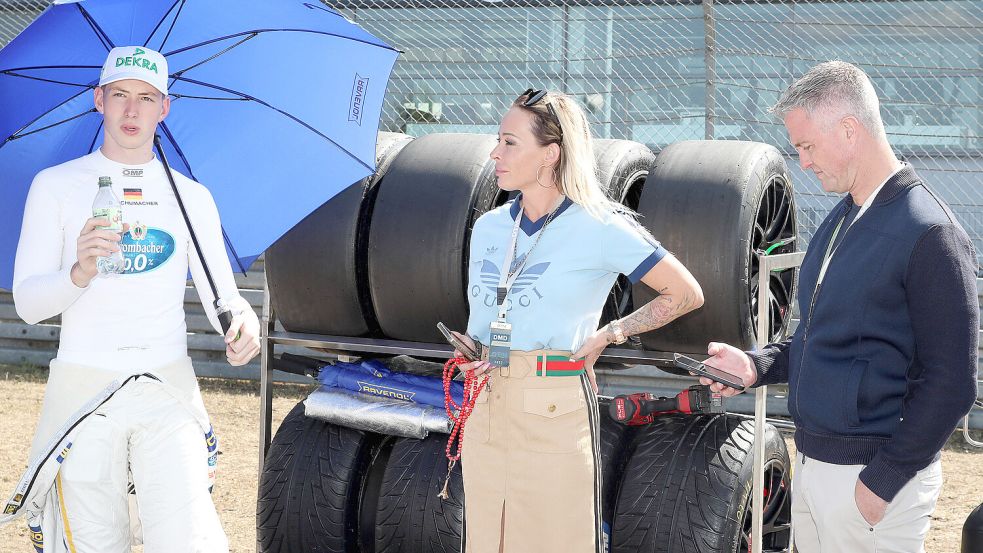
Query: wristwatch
point(619, 333)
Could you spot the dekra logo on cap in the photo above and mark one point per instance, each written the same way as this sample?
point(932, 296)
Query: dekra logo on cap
point(137, 61)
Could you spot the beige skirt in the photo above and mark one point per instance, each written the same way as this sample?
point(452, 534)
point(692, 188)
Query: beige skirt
point(531, 463)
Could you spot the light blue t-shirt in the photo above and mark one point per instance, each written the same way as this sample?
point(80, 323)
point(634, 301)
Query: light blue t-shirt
point(557, 299)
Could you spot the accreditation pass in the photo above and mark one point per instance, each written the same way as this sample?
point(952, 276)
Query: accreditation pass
point(500, 343)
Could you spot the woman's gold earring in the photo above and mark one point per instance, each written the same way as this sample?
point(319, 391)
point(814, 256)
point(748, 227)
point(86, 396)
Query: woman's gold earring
point(539, 182)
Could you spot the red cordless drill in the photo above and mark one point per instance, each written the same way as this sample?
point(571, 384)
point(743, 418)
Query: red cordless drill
point(642, 408)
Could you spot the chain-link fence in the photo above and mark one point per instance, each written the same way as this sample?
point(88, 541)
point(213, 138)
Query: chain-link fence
point(660, 71)
point(15, 15)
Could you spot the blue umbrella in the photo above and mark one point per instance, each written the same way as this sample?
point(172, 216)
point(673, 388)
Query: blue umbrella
point(275, 104)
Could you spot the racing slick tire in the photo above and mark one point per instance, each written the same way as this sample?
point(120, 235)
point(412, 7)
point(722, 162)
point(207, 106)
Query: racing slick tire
point(713, 204)
point(410, 517)
point(310, 487)
point(421, 227)
point(316, 271)
point(622, 167)
point(687, 488)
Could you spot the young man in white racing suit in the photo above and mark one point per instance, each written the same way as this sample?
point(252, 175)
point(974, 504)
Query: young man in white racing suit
point(152, 432)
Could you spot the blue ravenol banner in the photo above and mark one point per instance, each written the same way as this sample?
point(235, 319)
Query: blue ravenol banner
point(372, 377)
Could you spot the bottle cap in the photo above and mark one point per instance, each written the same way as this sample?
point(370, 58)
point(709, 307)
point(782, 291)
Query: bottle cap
point(105, 181)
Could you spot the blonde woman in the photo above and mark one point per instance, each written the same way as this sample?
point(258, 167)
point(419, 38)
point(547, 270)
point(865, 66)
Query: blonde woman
point(540, 269)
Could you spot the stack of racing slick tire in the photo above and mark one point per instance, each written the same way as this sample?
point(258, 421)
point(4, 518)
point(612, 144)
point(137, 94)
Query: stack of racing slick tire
point(345, 270)
point(388, 258)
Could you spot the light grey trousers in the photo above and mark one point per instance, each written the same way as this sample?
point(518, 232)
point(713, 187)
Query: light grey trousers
point(826, 519)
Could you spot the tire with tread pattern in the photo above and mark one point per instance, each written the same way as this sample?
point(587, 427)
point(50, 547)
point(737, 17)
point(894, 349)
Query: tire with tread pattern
point(686, 487)
point(614, 456)
point(410, 517)
point(310, 486)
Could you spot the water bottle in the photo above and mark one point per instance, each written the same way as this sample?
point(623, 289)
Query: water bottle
point(107, 206)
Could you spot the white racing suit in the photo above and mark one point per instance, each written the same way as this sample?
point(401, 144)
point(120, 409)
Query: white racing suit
point(100, 431)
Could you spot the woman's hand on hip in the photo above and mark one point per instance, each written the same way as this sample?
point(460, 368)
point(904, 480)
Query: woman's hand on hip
point(591, 350)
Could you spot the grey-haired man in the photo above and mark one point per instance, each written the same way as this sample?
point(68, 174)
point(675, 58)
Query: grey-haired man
point(883, 364)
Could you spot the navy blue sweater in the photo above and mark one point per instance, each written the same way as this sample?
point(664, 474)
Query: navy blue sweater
point(883, 363)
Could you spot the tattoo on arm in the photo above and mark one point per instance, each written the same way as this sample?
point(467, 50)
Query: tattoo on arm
point(658, 312)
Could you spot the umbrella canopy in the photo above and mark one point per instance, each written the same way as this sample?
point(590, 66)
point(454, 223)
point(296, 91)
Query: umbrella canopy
point(275, 104)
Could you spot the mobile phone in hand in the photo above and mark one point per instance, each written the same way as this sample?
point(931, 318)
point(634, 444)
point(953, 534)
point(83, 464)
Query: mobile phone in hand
point(460, 346)
point(713, 373)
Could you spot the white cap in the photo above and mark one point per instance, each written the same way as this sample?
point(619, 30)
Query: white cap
point(135, 62)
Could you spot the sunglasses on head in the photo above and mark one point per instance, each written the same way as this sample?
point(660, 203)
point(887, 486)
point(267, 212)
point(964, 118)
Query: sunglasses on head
point(533, 97)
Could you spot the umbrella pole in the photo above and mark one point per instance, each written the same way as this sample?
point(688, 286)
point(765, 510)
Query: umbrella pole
point(223, 313)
